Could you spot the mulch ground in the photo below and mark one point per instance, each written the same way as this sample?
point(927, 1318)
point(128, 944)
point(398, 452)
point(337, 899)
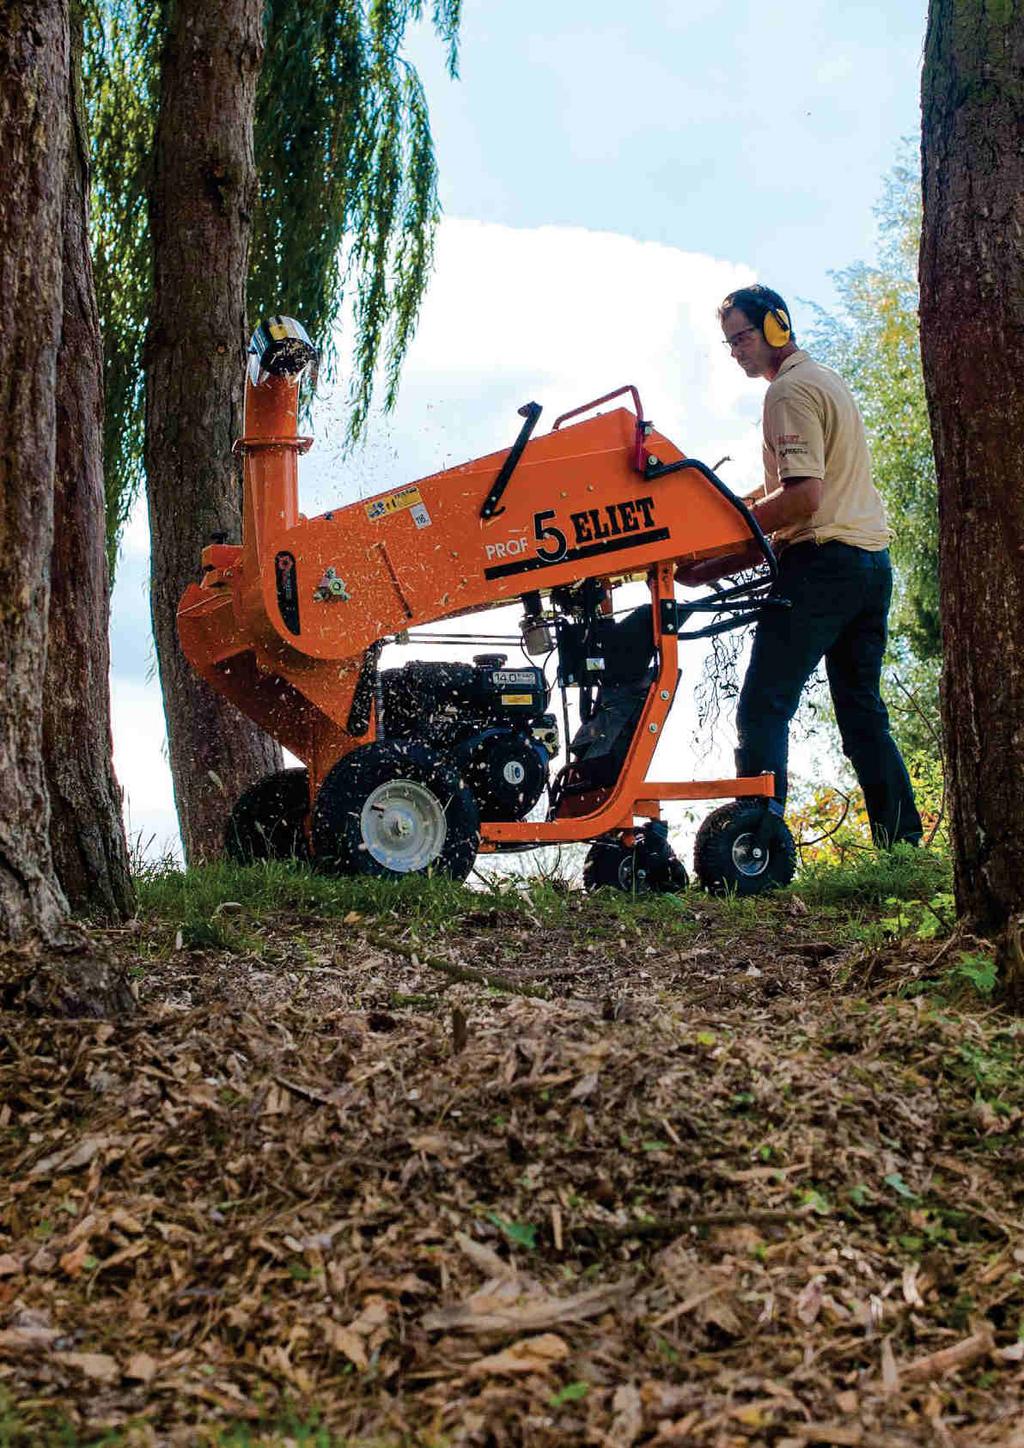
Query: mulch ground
point(729, 1189)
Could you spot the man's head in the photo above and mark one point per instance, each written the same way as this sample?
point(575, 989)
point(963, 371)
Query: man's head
point(757, 329)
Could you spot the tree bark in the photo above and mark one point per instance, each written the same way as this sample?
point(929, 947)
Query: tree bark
point(87, 836)
point(972, 329)
point(34, 61)
point(201, 205)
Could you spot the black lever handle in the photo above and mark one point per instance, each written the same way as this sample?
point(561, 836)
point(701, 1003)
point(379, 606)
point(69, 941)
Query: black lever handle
point(531, 411)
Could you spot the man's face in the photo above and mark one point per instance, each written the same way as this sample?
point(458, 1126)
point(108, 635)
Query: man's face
point(747, 344)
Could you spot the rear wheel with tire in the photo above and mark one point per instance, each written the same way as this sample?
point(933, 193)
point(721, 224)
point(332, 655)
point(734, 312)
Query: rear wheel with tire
point(744, 848)
point(268, 822)
point(395, 808)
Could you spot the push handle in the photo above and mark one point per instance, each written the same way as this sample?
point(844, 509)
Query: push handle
point(641, 460)
point(531, 411)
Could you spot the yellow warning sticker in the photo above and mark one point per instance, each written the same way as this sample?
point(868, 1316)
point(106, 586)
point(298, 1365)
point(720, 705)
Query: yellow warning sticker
point(517, 698)
point(393, 503)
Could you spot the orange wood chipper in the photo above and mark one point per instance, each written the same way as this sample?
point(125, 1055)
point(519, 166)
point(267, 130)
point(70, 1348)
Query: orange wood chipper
point(420, 767)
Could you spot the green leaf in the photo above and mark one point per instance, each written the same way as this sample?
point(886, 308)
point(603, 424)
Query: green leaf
point(817, 1201)
point(522, 1234)
point(571, 1393)
point(900, 1187)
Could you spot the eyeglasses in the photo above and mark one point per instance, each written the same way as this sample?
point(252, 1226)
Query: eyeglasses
point(737, 337)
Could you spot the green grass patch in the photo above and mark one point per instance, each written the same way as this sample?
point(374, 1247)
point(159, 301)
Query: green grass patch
point(214, 906)
point(878, 878)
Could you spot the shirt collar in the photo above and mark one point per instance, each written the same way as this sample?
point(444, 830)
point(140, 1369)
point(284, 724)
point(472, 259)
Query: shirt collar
point(793, 360)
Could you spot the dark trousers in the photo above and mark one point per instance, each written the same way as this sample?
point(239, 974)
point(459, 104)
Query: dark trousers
point(839, 598)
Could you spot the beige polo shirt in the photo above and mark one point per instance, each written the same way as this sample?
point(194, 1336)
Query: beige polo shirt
point(813, 429)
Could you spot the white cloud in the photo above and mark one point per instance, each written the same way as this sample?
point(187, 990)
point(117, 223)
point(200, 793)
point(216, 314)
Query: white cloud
point(555, 314)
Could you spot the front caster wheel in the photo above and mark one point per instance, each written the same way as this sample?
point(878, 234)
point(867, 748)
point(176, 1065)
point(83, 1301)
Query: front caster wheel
point(395, 808)
point(744, 848)
point(650, 867)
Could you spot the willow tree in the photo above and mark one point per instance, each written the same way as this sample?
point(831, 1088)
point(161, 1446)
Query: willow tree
point(343, 199)
point(972, 321)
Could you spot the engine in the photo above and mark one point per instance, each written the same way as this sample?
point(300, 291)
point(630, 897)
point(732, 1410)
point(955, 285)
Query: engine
point(489, 718)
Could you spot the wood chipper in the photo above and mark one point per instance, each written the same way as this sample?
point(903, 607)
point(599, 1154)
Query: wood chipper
point(419, 768)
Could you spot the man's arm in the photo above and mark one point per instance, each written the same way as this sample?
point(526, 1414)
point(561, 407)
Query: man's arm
point(796, 501)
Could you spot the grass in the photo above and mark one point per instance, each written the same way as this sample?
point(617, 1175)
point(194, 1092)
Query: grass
point(876, 877)
point(880, 896)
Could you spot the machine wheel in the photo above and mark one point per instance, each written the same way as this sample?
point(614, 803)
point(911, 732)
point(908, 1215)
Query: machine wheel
point(636, 870)
point(738, 850)
point(395, 808)
point(267, 823)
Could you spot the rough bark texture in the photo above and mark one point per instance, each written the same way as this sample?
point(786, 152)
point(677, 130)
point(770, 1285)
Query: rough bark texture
point(972, 335)
point(34, 60)
point(86, 825)
point(201, 207)
point(46, 964)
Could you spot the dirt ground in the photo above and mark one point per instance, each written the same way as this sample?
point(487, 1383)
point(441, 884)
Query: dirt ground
point(731, 1183)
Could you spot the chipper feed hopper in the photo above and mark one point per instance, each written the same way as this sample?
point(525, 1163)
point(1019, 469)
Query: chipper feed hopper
point(418, 768)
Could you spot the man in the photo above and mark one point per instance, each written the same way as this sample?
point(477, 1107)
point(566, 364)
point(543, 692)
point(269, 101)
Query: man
point(828, 525)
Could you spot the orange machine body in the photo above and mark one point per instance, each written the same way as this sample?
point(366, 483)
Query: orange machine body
point(287, 626)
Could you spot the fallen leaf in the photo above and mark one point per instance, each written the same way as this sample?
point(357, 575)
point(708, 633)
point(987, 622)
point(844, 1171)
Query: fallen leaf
point(911, 1294)
point(585, 1087)
point(349, 1344)
point(141, 1367)
point(9, 1266)
point(26, 1339)
point(808, 1304)
point(890, 1372)
point(95, 1365)
point(488, 1312)
point(74, 1261)
point(484, 1257)
point(72, 1158)
point(530, 1355)
point(627, 1416)
point(374, 1314)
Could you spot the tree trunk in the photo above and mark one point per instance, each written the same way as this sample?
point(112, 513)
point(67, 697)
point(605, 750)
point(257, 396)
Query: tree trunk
point(46, 964)
point(86, 826)
point(34, 59)
point(201, 204)
point(972, 325)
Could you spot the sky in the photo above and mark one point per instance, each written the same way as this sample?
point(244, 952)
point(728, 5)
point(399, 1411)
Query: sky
point(606, 176)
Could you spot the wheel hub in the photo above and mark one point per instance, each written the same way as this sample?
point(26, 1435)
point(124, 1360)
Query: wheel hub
point(748, 855)
point(403, 825)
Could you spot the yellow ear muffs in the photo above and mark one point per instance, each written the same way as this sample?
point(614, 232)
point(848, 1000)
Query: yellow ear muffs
point(776, 327)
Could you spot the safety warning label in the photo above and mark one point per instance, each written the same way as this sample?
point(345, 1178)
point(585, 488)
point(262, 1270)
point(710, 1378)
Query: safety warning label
point(394, 503)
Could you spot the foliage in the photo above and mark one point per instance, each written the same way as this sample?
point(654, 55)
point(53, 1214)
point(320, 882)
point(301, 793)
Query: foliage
point(874, 343)
point(347, 191)
point(120, 64)
point(874, 877)
point(346, 163)
point(830, 822)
